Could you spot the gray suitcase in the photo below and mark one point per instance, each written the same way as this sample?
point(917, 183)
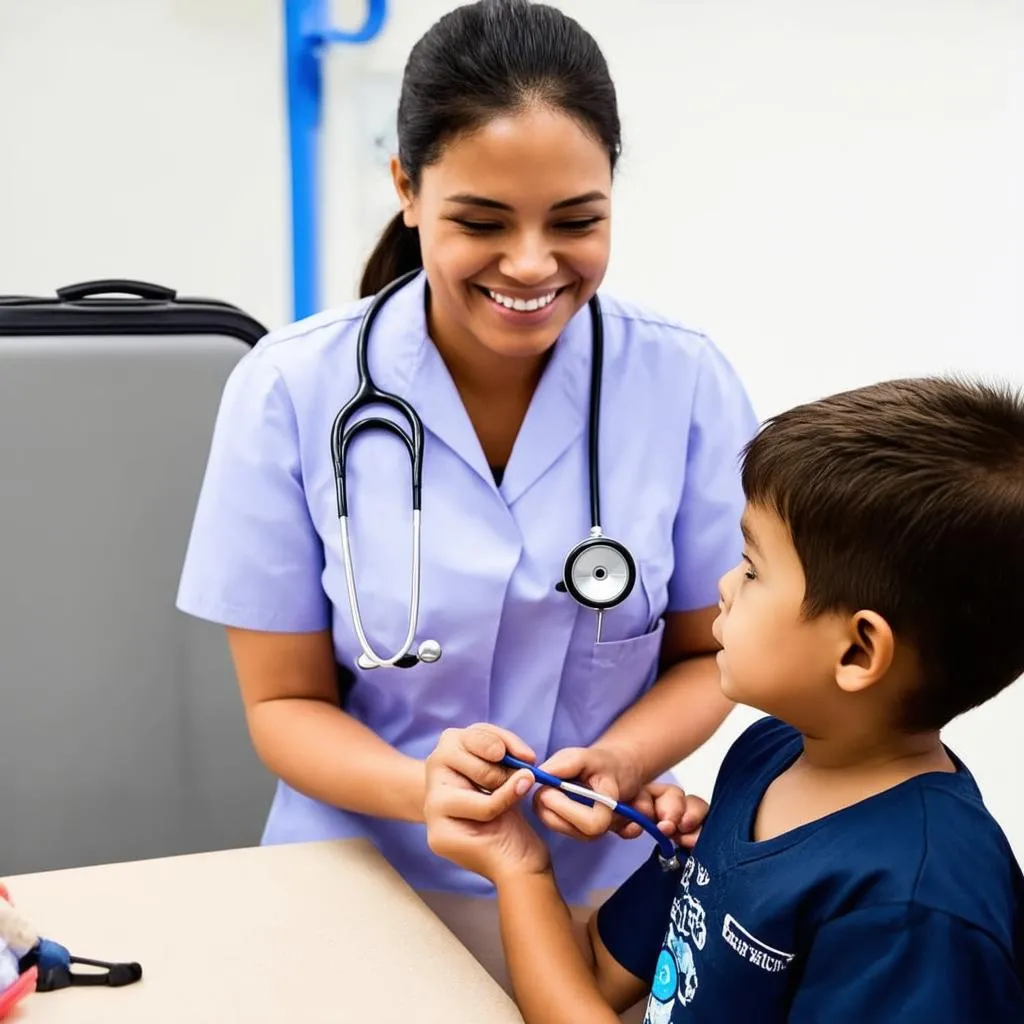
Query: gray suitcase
point(121, 730)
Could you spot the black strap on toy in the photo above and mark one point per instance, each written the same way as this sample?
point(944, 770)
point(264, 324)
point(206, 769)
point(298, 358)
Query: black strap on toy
point(54, 963)
point(61, 976)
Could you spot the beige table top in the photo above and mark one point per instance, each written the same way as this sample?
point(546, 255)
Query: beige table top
point(316, 932)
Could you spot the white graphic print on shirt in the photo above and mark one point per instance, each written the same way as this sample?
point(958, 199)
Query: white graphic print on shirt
point(675, 977)
point(753, 949)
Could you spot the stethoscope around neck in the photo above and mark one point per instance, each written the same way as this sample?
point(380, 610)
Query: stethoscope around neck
point(598, 573)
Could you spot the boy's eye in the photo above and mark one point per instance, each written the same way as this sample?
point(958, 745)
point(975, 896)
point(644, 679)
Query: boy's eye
point(749, 573)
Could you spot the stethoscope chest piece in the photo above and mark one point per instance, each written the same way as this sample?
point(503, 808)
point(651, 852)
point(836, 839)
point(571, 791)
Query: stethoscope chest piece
point(599, 572)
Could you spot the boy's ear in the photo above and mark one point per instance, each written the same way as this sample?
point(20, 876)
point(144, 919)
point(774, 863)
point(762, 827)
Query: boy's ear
point(868, 652)
point(406, 193)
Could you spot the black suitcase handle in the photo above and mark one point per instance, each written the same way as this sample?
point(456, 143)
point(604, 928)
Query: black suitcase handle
point(140, 289)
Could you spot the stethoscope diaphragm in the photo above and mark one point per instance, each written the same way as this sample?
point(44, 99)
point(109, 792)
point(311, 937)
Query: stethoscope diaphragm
point(599, 573)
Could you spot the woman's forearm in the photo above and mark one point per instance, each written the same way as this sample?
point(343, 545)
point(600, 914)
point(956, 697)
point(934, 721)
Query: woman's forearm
point(321, 751)
point(680, 712)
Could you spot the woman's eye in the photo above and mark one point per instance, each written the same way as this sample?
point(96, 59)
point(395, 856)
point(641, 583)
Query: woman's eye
point(580, 224)
point(483, 227)
point(478, 226)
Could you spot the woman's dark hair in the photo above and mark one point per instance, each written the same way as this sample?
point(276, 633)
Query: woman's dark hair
point(480, 61)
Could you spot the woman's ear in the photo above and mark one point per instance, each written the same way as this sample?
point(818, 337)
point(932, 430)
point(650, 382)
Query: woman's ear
point(406, 193)
point(868, 652)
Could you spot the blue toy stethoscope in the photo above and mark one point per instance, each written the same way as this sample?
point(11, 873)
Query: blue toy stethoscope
point(598, 573)
point(668, 852)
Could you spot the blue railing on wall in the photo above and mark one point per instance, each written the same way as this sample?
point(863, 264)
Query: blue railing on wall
point(308, 32)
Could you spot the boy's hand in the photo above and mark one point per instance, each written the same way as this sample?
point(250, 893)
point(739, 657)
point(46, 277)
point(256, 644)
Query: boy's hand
point(679, 816)
point(470, 805)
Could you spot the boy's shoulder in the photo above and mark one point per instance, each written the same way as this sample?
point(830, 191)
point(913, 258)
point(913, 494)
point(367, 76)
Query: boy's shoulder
point(928, 843)
point(909, 901)
point(757, 751)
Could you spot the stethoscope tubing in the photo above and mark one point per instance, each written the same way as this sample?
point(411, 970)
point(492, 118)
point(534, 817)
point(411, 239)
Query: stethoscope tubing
point(342, 435)
point(588, 590)
point(581, 794)
point(367, 394)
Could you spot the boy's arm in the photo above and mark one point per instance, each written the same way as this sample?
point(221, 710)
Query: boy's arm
point(906, 962)
point(472, 818)
point(558, 974)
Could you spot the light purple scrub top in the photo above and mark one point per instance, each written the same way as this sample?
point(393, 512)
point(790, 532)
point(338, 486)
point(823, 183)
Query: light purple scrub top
point(265, 549)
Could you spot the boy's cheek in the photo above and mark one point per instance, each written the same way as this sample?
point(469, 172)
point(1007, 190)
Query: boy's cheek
point(725, 676)
point(737, 674)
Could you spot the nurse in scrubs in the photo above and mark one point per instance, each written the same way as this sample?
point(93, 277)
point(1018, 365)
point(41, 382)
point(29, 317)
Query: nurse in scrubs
point(508, 139)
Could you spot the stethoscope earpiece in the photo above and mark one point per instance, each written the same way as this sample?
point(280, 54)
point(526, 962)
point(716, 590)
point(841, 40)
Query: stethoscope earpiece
point(428, 652)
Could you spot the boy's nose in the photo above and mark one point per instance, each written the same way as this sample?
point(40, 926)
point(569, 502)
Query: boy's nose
point(727, 587)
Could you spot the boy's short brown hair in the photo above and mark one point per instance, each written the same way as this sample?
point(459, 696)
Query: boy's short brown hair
point(907, 498)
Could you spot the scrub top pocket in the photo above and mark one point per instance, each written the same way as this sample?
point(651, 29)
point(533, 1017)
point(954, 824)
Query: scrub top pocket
point(600, 681)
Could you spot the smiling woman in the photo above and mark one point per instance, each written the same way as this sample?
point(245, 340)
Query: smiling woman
point(511, 245)
point(504, 180)
point(508, 140)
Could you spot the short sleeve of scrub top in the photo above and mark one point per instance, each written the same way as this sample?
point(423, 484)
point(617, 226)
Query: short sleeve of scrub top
point(705, 530)
point(265, 550)
point(252, 531)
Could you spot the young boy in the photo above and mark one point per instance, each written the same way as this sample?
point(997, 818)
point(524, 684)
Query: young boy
point(847, 871)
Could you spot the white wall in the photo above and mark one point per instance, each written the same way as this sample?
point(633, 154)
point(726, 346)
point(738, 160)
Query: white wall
point(832, 190)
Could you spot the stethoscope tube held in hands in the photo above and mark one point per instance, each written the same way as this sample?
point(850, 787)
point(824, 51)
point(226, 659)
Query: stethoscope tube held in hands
point(598, 573)
point(668, 852)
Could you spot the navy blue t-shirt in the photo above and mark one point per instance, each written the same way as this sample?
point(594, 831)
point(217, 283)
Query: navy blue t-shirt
point(905, 907)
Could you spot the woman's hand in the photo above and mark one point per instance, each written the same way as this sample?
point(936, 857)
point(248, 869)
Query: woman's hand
point(608, 771)
point(470, 804)
point(602, 769)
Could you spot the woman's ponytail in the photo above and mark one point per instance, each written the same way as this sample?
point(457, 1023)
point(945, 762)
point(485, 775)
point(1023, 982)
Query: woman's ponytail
point(396, 252)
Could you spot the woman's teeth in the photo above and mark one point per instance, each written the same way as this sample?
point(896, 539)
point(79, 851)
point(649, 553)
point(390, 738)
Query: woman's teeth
point(522, 305)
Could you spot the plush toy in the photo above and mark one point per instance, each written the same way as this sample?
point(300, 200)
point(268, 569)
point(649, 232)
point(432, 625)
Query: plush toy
point(31, 963)
point(17, 939)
